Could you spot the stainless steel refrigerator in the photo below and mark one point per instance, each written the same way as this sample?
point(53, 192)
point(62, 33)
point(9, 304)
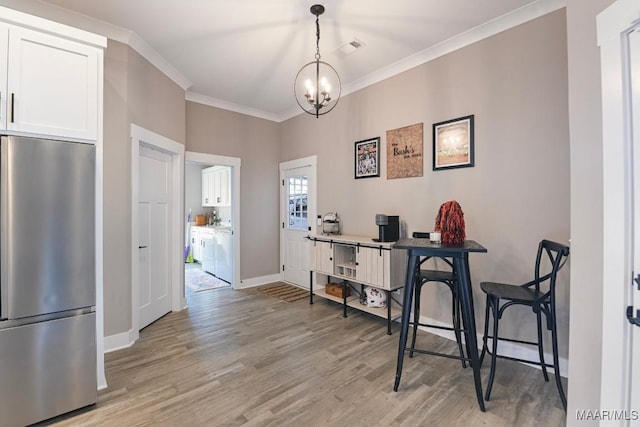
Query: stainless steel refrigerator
point(47, 279)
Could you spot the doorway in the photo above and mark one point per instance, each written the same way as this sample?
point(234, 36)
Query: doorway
point(212, 222)
point(173, 154)
point(298, 213)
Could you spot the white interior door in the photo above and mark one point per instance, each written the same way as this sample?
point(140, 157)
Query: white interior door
point(154, 203)
point(297, 216)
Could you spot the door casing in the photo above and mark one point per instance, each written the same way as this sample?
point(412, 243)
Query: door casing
point(617, 386)
point(140, 135)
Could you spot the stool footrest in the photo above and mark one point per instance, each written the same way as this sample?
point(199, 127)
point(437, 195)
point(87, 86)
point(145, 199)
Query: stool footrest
point(446, 328)
point(435, 353)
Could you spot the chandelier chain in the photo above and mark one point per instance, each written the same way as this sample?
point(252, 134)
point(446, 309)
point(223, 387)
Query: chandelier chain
point(317, 37)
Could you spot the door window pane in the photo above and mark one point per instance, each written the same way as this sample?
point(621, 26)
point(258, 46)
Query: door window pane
point(297, 211)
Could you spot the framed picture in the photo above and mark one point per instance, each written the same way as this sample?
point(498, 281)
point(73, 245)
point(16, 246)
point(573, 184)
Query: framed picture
point(453, 143)
point(367, 158)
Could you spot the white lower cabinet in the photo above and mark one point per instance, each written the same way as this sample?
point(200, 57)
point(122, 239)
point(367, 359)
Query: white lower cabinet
point(196, 243)
point(356, 262)
point(322, 258)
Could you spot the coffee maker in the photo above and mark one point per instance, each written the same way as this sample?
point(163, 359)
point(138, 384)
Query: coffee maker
point(388, 228)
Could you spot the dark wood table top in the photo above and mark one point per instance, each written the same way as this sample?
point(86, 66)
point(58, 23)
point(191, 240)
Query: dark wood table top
point(428, 245)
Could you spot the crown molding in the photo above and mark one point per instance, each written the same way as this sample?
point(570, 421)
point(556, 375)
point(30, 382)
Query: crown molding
point(512, 19)
point(226, 105)
point(106, 29)
point(481, 32)
point(502, 23)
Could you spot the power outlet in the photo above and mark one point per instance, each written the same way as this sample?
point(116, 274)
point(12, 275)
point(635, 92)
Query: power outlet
point(319, 220)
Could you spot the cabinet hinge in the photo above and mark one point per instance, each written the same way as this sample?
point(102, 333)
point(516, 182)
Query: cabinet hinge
point(283, 225)
point(283, 182)
point(636, 280)
point(282, 267)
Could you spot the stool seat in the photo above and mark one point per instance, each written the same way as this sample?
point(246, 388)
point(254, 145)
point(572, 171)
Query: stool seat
point(511, 292)
point(437, 276)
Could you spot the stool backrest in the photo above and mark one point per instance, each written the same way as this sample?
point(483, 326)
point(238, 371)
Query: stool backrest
point(557, 255)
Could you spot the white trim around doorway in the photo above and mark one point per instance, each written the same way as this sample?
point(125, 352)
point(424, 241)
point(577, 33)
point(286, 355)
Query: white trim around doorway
point(139, 136)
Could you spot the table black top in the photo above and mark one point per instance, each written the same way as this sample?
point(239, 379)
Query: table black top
point(436, 248)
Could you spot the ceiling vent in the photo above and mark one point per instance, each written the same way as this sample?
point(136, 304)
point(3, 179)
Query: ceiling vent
point(348, 48)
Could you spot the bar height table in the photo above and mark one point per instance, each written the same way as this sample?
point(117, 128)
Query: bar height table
point(417, 248)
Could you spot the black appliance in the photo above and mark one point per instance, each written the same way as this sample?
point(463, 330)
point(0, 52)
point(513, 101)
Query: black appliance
point(388, 228)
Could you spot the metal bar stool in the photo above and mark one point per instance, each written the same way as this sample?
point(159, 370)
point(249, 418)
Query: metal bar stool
point(448, 278)
point(543, 302)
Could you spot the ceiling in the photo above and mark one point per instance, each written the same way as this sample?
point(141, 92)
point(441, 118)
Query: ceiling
point(244, 54)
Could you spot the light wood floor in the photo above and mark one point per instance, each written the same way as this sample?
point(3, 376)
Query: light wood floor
point(245, 358)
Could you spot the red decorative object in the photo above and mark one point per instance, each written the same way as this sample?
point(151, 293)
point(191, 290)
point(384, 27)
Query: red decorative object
point(450, 223)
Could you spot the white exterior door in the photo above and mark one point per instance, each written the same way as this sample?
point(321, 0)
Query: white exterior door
point(297, 217)
point(619, 41)
point(154, 203)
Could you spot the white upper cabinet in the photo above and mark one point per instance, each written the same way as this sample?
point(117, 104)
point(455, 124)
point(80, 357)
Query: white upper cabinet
point(216, 186)
point(52, 85)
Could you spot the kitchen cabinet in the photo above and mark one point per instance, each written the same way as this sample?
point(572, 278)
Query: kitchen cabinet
point(196, 243)
point(358, 261)
point(49, 85)
point(203, 240)
point(216, 186)
point(322, 259)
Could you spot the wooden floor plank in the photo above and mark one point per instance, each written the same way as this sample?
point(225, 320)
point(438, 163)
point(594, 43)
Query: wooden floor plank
point(244, 358)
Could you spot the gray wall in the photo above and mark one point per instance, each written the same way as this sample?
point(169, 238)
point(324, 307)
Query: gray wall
point(255, 141)
point(134, 92)
point(515, 83)
point(585, 113)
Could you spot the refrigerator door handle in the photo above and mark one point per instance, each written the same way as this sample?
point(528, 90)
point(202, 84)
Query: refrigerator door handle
point(4, 187)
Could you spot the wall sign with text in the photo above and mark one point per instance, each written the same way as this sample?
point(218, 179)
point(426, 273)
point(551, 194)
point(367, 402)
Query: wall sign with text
point(405, 152)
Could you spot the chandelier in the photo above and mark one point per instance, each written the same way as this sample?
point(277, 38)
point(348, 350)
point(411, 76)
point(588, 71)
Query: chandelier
point(317, 86)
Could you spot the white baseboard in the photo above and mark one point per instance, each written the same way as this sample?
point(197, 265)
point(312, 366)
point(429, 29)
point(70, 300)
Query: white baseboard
point(257, 281)
point(118, 341)
point(504, 347)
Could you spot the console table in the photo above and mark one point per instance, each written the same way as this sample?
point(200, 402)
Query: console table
point(357, 261)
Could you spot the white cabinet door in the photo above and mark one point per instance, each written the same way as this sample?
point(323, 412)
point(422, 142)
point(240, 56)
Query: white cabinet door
point(207, 200)
point(370, 266)
point(4, 44)
point(322, 257)
point(53, 85)
point(196, 241)
point(224, 192)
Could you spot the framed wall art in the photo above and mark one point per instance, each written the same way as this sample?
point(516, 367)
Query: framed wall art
point(453, 143)
point(367, 158)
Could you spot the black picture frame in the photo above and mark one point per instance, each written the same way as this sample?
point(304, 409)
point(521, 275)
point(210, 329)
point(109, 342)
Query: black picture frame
point(367, 158)
point(453, 143)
